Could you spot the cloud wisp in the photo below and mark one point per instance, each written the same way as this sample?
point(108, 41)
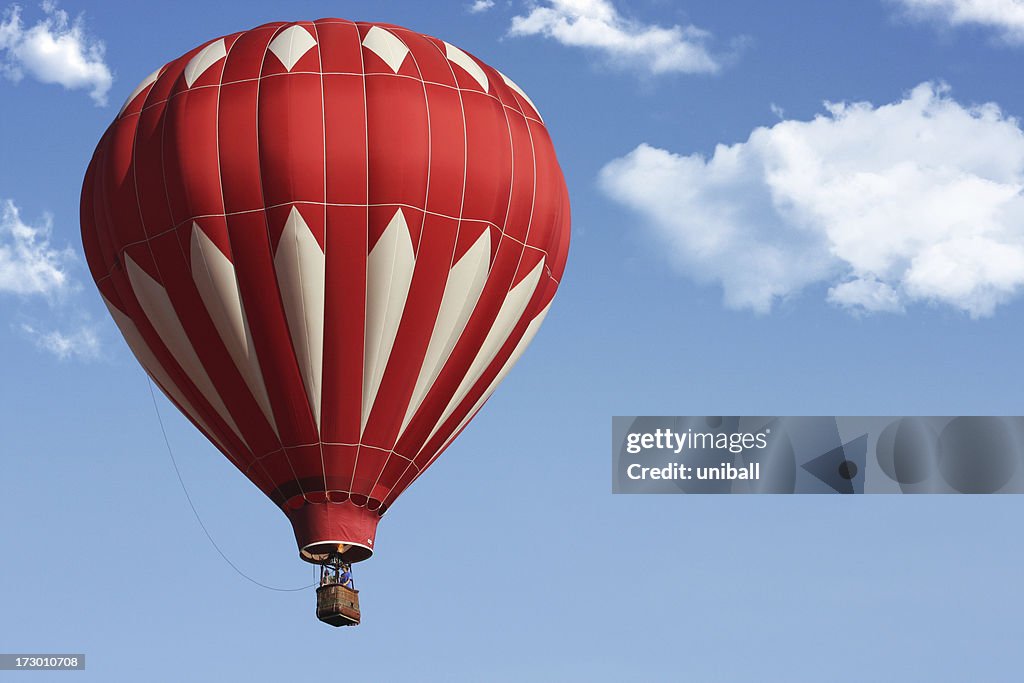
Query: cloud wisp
point(1006, 17)
point(30, 267)
point(916, 201)
point(56, 49)
point(480, 6)
point(28, 263)
point(597, 25)
point(82, 343)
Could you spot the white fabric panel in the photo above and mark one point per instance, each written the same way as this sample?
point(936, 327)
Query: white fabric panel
point(152, 366)
point(461, 292)
point(509, 314)
point(389, 270)
point(151, 78)
point(459, 57)
point(300, 265)
point(387, 46)
point(531, 332)
point(290, 44)
point(215, 278)
point(161, 314)
point(203, 60)
point(510, 83)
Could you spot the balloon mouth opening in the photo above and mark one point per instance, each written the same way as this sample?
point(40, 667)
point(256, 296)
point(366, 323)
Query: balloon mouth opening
point(325, 529)
point(319, 552)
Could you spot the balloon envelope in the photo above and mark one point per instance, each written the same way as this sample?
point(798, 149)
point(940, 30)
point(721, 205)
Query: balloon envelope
point(327, 242)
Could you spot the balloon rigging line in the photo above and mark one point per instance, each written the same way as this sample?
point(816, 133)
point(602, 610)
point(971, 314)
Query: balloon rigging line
point(195, 512)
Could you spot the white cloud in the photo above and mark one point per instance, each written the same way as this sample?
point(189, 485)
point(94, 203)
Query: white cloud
point(1005, 16)
point(597, 24)
point(480, 6)
point(915, 201)
point(28, 264)
point(54, 50)
point(866, 294)
point(82, 343)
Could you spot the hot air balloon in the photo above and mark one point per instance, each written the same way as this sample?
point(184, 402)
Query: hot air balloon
point(327, 242)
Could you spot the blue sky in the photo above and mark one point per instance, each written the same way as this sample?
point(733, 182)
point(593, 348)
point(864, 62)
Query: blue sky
point(739, 247)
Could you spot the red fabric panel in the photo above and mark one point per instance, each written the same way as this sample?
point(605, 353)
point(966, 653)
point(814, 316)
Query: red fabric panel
point(254, 267)
point(345, 306)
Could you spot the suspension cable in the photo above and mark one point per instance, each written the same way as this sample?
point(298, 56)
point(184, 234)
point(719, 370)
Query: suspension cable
point(195, 512)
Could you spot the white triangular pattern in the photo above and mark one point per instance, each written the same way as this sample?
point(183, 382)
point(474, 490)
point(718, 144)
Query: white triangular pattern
point(152, 366)
point(528, 335)
point(160, 311)
point(300, 265)
point(203, 60)
point(509, 314)
point(387, 46)
point(459, 57)
point(461, 291)
point(290, 44)
point(151, 78)
point(215, 278)
point(510, 83)
point(389, 270)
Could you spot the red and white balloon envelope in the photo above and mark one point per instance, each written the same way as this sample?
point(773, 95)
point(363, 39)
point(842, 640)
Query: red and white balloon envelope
point(327, 242)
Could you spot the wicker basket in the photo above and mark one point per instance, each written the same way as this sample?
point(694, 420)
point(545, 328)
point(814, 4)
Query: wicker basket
point(337, 605)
